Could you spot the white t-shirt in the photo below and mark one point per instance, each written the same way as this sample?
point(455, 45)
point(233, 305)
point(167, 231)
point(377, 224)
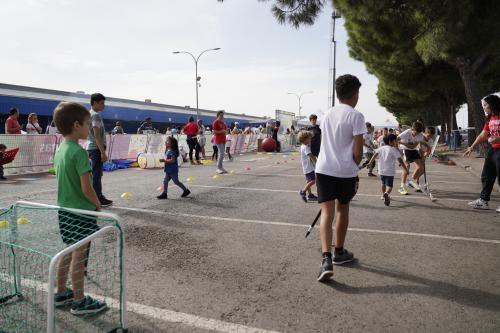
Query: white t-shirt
point(307, 164)
point(338, 128)
point(387, 157)
point(407, 137)
point(33, 128)
point(51, 130)
point(367, 140)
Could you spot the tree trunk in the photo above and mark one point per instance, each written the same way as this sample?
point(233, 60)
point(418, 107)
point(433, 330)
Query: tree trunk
point(471, 83)
point(443, 125)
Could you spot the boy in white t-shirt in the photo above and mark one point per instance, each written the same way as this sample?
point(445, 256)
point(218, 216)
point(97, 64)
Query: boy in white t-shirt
point(308, 163)
point(409, 142)
point(387, 157)
point(342, 130)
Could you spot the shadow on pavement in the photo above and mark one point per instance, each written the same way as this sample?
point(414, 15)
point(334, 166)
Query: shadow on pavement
point(427, 287)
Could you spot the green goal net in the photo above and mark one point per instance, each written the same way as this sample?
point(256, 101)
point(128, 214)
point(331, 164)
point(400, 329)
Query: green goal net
point(39, 246)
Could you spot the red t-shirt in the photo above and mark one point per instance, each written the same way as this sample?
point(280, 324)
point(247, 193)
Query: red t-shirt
point(191, 129)
point(218, 125)
point(492, 126)
point(12, 123)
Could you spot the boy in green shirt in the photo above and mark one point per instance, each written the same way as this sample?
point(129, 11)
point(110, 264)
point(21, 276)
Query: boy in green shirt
point(74, 190)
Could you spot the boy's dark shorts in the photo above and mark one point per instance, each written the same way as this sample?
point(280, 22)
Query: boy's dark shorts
point(310, 176)
point(331, 188)
point(387, 180)
point(75, 227)
point(411, 155)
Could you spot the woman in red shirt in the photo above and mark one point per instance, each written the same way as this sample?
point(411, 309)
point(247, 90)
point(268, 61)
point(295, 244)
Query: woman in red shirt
point(11, 124)
point(191, 130)
point(491, 168)
point(219, 127)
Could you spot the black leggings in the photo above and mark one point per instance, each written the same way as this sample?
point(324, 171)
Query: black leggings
point(215, 154)
point(491, 172)
point(192, 142)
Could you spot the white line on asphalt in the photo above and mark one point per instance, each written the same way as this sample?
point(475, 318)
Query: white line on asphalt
point(418, 197)
point(305, 226)
point(157, 313)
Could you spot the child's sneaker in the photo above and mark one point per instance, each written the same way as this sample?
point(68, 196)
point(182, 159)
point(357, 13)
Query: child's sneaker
point(414, 185)
point(342, 257)
point(163, 196)
point(326, 270)
point(498, 209)
point(403, 190)
point(312, 197)
point(87, 305)
point(185, 193)
point(303, 195)
point(371, 174)
point(479, 204)
point(387, 199)
point(63, 299)
point(3, 178)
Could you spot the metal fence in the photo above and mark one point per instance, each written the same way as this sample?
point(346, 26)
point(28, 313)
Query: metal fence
point(459, 139)
point(36, 152)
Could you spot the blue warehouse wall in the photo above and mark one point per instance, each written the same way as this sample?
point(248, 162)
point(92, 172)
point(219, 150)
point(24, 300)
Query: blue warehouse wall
point(130, 117)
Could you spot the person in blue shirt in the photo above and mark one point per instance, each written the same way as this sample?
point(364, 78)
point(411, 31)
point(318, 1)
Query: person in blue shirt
point(172, 168)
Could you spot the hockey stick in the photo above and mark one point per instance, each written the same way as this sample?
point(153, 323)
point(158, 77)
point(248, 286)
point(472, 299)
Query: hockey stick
point(313, 224)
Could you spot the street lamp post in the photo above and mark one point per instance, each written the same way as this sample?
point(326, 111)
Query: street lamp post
point(335, 16)
point(299, 97)
point(196, 77)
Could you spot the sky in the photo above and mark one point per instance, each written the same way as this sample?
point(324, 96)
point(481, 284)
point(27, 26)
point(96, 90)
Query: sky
point(124, 49)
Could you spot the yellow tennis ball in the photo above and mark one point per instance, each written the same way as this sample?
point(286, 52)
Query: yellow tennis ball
point(189, 179)
point(231, 171)
point(125, 195)
point(216, 177)
point(23, 220)
point(4, 224)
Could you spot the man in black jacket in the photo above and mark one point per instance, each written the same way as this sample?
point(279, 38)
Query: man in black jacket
point(316, 139)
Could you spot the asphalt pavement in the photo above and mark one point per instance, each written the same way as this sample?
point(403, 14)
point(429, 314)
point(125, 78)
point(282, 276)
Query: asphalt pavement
point(233, 257)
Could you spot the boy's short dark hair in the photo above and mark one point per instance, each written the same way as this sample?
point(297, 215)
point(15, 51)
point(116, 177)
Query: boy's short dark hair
point(431, 130)
point(191, 119)
point(219, 112)
point(2, 146)
point(417, 126)
point(13, 110)
point(347, 86)
point(97, 97)
point(313, 116)
point(368, 124)
point(390, 138)
point(65, 115)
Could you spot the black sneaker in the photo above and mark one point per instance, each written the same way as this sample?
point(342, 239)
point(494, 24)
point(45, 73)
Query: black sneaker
point(163, 196)
point(312, 197)
point(371, 174)
point(387, 199)
point(303, 195)
point(343, 257)
point(87, 305)
point(185, 193)
point(326, 270)
point(105, 202)
point(63, 299)
point(3, 178)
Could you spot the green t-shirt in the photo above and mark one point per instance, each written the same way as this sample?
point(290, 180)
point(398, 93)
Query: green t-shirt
point(71, 161)
point(96, 121)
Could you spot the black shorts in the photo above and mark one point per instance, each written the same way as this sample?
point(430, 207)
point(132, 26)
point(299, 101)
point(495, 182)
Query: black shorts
point(387, 180)
point(331, 188)
point(411, 155)
point(75, 227)
point(310, 176)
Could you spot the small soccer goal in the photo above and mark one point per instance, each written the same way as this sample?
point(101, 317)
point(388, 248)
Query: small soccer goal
point(33, 246)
